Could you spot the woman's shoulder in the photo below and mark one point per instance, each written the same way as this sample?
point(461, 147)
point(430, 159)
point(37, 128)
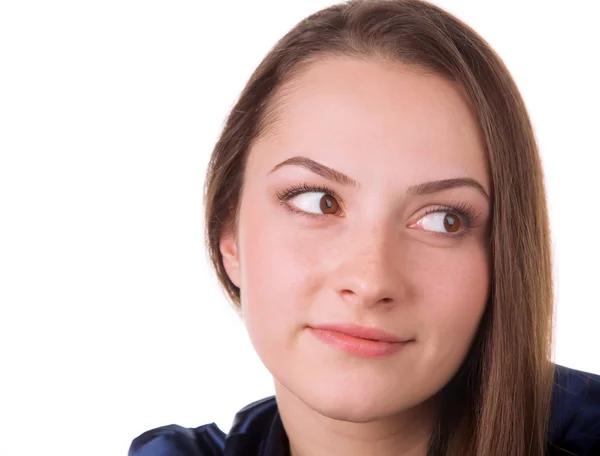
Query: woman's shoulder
point(575, 417)
point(257, 429)
point(252, 427)
point(175, 440)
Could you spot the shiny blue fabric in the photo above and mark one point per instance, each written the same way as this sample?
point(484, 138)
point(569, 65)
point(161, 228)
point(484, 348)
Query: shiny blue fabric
point(257, 429)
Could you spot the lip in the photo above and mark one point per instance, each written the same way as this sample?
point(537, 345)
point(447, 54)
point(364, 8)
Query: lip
point(358, 340)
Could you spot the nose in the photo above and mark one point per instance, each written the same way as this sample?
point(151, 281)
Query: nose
point(369, 271)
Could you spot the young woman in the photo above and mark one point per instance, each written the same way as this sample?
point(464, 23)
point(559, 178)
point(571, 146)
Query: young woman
point(376, 211)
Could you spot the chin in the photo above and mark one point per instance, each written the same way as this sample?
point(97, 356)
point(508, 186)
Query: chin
point(353, 408)
point(353, 402)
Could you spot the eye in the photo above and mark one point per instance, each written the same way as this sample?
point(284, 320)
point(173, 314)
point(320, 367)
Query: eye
point(316, 203)
point(309, 200)
point(441, 221)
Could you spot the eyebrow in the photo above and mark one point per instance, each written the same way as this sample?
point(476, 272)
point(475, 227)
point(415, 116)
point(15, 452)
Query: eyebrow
point(424, 188)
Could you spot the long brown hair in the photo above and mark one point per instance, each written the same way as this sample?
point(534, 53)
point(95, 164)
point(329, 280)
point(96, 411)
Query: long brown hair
point(498, 404)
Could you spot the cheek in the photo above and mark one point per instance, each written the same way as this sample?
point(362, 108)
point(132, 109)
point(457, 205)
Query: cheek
point(277, 279)
point(276, 263)
point(455, 293)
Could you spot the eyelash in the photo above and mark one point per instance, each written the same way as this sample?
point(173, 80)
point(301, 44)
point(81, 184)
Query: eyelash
point(295, 190)
point(464, 211)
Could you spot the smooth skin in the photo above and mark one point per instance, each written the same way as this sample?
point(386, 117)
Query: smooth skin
point(376, 136)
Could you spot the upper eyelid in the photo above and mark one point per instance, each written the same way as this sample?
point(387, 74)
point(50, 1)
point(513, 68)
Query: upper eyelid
point(305, 188)
point(299, 189)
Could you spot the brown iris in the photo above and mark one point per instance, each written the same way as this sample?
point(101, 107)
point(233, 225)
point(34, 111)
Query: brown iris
point(328, 204)
point(451, 223)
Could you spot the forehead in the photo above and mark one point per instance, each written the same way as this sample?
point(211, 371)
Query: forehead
point(355, 113)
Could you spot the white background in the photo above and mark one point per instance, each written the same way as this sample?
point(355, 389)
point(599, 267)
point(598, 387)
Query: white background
point(111, 322)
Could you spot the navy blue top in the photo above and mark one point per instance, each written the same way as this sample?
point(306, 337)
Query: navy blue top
point(257, 429)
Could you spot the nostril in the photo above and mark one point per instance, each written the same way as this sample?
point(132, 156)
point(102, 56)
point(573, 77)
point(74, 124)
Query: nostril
point(366, 296)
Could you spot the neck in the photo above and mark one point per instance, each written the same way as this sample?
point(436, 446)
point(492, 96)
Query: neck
point(311, 433)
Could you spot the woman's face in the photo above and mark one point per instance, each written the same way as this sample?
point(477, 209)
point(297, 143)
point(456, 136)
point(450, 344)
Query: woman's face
point(362, 206)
